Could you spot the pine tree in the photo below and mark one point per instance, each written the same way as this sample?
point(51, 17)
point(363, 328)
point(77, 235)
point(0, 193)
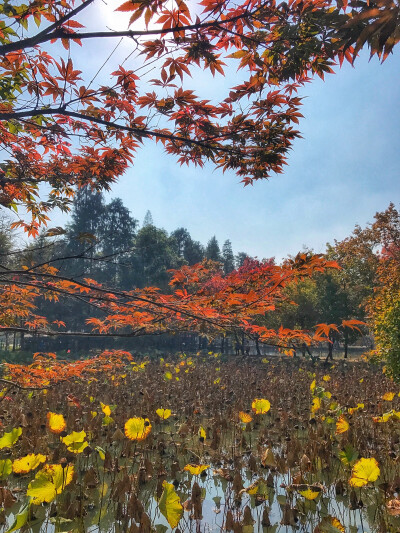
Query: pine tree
point(212, 250)
point(148, 219)
point(228, 257)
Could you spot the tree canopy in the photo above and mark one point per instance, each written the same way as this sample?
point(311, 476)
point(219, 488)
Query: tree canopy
point(60, 129)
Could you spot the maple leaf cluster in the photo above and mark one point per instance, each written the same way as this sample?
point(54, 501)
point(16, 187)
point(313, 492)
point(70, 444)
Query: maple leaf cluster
point(58, 128)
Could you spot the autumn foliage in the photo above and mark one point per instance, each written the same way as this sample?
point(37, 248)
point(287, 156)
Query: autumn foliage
point(59, 129)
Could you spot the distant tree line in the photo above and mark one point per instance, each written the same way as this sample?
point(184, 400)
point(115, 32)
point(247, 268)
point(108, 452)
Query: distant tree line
point(105, 243)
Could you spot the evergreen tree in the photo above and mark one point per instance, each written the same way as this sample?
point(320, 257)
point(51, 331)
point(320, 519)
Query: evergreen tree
point(193, 252)
point(179, 238)
point(240, 259)
point(228, 257)
point(116, 240)
point(185, 247)
point(212, 250)
point(148, 219)
point(6, 239)
point(152, 257)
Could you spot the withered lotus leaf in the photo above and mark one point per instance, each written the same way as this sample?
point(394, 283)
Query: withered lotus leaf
point(342, 425)
point(75, 441)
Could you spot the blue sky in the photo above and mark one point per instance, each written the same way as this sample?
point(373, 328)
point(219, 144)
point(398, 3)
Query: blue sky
point(343, 170)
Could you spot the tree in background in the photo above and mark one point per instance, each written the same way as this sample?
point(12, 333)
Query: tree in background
point(117, 238)
point(384, 305)
point(185, 247)
point(240, 259)
point(148, 219)
point(228, 259)
point(213, 251)
point(153, 256)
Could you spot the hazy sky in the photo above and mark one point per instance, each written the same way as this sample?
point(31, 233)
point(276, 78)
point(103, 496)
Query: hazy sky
point(344, 169)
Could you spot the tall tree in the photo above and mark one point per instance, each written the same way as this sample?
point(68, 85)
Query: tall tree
point(148, 219)
point(228, 258)
point(116, 239)
point(185, 247)
point(153, 257)
point(212, 250)
point(240, 259)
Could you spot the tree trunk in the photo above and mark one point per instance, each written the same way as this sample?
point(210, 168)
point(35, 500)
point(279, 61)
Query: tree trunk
point(330, 350)
point(346, 343)
point(258, 346)
point(223, 344)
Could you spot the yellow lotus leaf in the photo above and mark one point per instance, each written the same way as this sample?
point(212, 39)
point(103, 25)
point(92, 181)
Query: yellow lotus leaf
point(342, 425)
point(196, 470)
point(168, 375)
point(137, 428)
point(330, 524)
point(56, 423)
point(313, 385)
point(28, 463)
point(258, 487)
point(5, 468)
point(327, 394)
point(352, 410)
point(164, 413)
point(202, 433)
point(309, 493)
point(75, 441)
point(316, 404)
point(170, 505)
point(9, 439)
point(388, 396)
point(384, 418)
point(106, 409)
point(260, 406)
point(245, 417)
point(364, 471)
point(49, 482)
point(326, 378)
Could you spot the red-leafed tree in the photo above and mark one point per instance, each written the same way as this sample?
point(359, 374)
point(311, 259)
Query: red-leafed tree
point(59, 128)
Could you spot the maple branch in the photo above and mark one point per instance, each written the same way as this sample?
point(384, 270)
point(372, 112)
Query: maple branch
point(60, 33)
point(50, 333)
point(13, 384)
point(141, 132)
point(122, 294)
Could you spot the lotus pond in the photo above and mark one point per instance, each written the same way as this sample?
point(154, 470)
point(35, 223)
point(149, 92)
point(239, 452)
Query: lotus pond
point(200, 444)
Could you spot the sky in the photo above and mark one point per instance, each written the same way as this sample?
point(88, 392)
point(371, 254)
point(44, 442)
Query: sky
point(343, 170)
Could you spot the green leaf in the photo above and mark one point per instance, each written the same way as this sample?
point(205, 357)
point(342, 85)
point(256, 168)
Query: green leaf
point(5, 468)
point(348, 455)
point(170, 505)
point(9, 439)
point(21, 519)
